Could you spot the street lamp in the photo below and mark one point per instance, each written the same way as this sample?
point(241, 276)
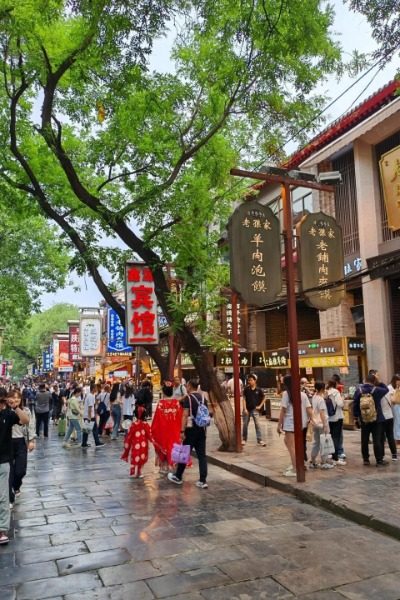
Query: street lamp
point(288, 180)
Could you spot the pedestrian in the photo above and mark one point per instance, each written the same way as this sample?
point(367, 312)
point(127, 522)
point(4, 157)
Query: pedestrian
point(388, 425)
point(8, 418)
point(305, 387)
point(334, 405)
point(179, 389)
point(136, 444)
point(144, 397)
point(192, 435)
point(286, 423)
point(367, 411)
point(166, 427)
point(42, 410)
point(56, 403)
point(320, 425)
point(340, 388)
point(394, 392)
point(128, 403)
point(103, 407)
point(89, 419)
point(74, 416)
point(253, 402)
point(23, 440)
point(115, 409)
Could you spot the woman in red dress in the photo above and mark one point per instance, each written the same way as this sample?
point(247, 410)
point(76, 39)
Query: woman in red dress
point(137, 443)
point(166, 427)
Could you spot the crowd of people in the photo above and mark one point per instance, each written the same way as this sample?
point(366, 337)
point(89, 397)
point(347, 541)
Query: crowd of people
point(79, 410)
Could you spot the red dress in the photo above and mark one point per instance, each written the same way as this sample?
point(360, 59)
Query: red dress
point(166, 428)
point(137, 440)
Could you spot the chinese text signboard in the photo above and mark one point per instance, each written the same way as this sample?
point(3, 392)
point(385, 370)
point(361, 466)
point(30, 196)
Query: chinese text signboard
point(390, 177)
point(46, 361)
point(225, 359)
point(255, 257)
point(74, 346)
point(321, 260)
point(226, 319)
point(116, 335)
point(141, 305)
point(274, 359)
point(65, 366)
point(90, 334)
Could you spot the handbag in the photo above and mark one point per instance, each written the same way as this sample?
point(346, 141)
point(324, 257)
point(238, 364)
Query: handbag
point(180, 453)
point(87, 426)
point(327, 445)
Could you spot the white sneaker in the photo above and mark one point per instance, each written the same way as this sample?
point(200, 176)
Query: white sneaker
point(327, 466)
point(341, 461)
point(202, 484)
point(174, 479)
point(290, 473)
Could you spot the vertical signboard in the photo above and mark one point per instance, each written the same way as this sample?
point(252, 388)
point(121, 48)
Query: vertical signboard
point(65, 366)
point(116, 334)
point(390, 177)
point(321, 260)
point(141, 305)
point(56, 353)
point(74, 346)
point(90, 332)
point(255, 257)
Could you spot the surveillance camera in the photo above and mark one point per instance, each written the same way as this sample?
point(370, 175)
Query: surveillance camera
point(330, 178)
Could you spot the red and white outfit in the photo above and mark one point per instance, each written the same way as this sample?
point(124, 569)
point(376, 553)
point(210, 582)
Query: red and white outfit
point(137, 446)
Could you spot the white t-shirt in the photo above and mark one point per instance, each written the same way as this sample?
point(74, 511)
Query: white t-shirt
point(288, 421)
point(386, 406)
point(179, 391)
point(231, 387)
point(128, 405)
point(318, 404)
point(89, 402)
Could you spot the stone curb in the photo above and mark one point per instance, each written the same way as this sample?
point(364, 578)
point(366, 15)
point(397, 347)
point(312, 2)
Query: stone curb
point(347, 511)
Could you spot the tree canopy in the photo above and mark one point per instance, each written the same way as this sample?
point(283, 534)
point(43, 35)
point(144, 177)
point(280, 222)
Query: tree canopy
point(120, 151)
point(384, 18)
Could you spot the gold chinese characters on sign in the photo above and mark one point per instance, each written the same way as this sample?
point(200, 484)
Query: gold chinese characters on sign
point(255, 259)
point(321, 260)
point(390, 177)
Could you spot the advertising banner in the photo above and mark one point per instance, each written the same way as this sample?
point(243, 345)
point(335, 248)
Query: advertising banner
point(90, 334)
point(141, 305)
point(116, 334)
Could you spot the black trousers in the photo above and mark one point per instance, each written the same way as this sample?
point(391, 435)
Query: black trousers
point(377, 431)
point(336, 427)
point(388, 432)
point(95, 432)
point(18, 465)
point(42, 418)
point(103, 420)
point(195, 437)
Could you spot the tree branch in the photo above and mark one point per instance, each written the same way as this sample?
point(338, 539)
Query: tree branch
point(162, 228)
point(121, 175)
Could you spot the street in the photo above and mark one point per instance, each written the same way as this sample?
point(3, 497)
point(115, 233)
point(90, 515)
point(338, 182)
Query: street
point(82, 526)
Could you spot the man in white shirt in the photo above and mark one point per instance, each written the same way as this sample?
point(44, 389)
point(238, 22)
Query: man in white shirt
point(179, 390)
point(89, 419)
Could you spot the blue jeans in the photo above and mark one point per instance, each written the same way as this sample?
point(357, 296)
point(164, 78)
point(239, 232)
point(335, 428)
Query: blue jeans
point(246, 419)
point(116, 415)
point(74, 424)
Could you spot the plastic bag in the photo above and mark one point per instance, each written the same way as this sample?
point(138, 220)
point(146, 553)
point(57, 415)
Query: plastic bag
point(180, 453)
point(109, 424)
point(327, 445)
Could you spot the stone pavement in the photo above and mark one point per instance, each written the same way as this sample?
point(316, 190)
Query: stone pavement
point(83, 528)
point(366, 495)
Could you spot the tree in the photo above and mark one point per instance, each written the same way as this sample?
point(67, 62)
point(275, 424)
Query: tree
point(144, 157)
point(384, 18)
point(37, 333)
point(33, 259)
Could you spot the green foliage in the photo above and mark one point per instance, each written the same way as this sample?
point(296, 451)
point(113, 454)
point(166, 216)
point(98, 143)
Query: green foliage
point(384, 18)
point(158, 165)
point(24, 347)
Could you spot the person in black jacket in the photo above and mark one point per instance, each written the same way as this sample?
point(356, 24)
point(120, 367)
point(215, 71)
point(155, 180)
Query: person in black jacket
point(378, 390)
point(144, 397)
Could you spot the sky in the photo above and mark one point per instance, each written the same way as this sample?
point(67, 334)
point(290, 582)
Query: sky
point(353, 33)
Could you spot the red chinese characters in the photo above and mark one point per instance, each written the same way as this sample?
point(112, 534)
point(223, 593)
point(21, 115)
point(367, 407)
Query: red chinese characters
point(141, 305)
point(74, 347)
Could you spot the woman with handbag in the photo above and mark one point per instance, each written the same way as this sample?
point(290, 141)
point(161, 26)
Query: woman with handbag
point(74, 415)
point(320, 427)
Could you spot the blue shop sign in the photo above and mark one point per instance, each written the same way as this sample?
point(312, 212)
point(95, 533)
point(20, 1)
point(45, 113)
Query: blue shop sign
point(116, 335)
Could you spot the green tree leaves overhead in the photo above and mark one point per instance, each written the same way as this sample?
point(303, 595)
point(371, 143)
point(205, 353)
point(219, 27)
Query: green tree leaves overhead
point(384, 18)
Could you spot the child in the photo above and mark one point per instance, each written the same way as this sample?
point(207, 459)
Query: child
point(137, 443)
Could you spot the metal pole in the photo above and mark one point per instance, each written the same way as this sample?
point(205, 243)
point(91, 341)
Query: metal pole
point(236, 380)
point(293, 334)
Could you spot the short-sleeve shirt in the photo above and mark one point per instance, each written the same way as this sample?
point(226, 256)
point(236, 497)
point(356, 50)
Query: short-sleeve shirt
point(8, 418)
point(192, 404)
point(288, 422)
point(318, 403)
point(89, 402)
point(253, 398)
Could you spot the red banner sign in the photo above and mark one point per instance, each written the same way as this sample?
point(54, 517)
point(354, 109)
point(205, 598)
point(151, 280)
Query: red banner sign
point(74, 354)
point(141, 305)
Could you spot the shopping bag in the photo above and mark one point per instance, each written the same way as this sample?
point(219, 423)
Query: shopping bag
point(87, 426)
point(109, 424)
point(327, 445)
point(180, 453)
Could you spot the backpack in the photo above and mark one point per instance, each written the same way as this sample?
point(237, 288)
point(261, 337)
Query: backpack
point(368, 408)
point(202, 418)
point(330, 407)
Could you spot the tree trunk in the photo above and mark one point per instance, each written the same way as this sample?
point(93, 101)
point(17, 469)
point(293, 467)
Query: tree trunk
point(221, 406)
